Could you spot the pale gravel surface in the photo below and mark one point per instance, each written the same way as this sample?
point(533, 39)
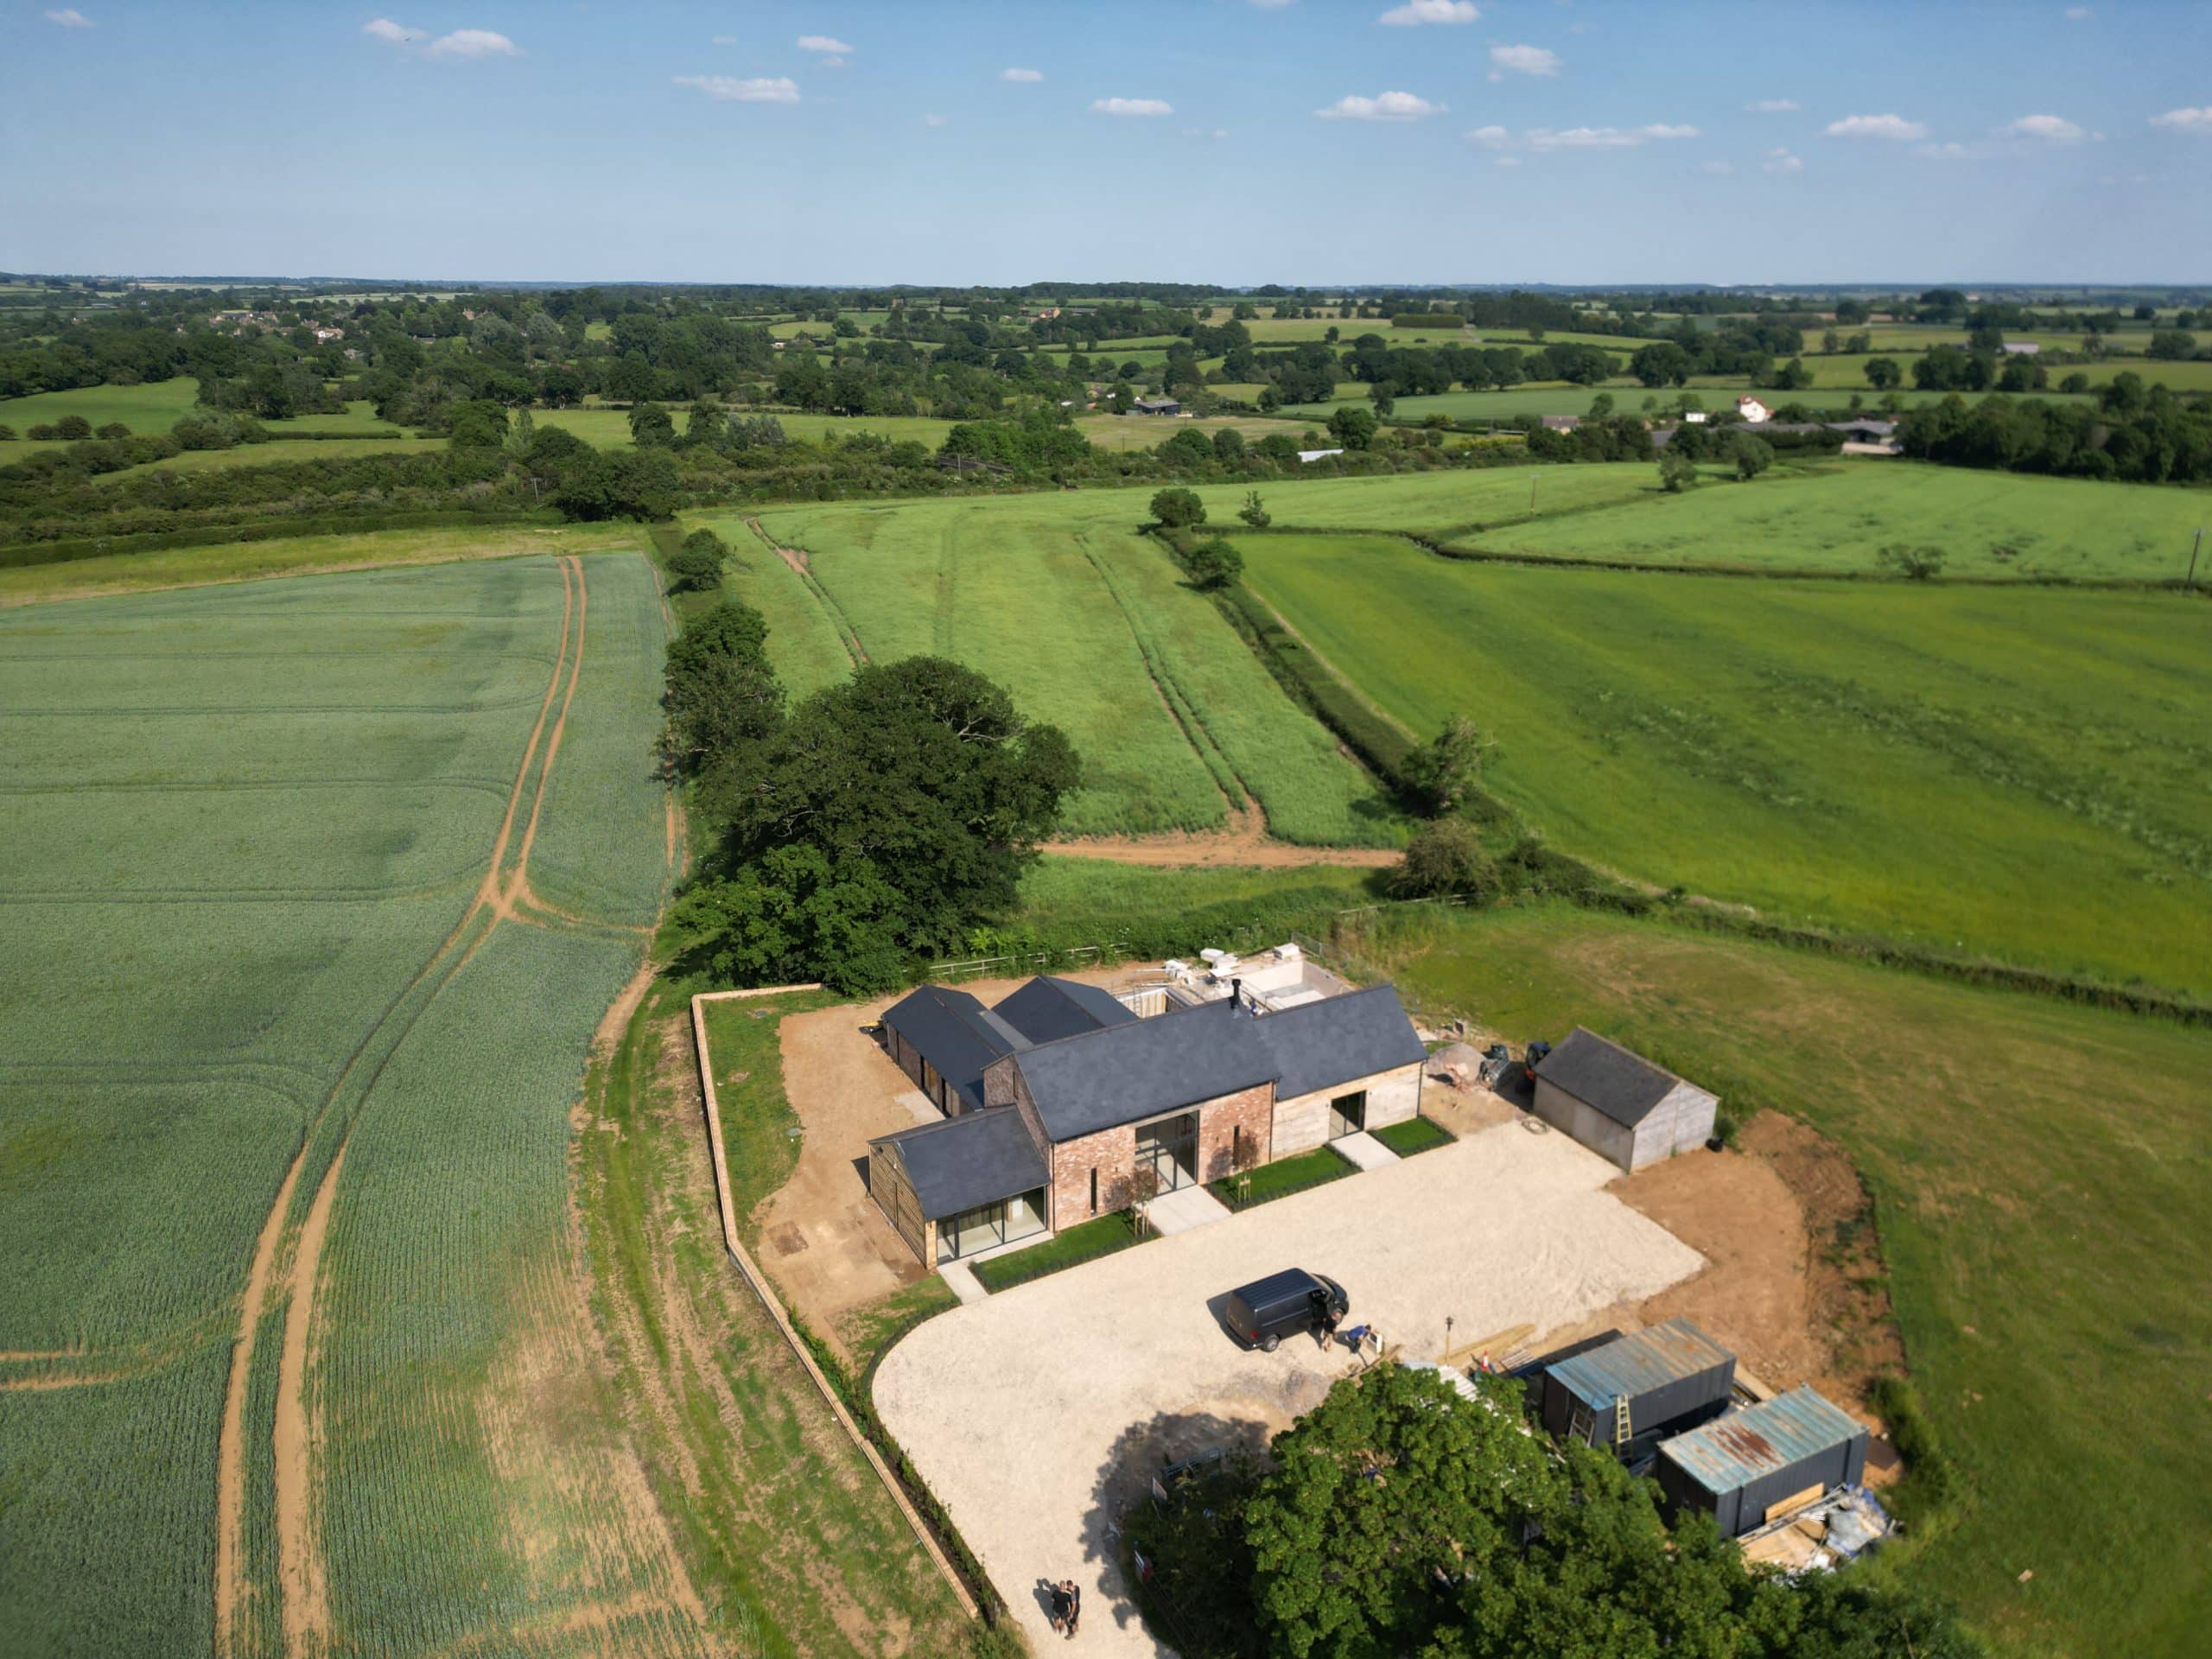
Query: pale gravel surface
point(1011, 1409)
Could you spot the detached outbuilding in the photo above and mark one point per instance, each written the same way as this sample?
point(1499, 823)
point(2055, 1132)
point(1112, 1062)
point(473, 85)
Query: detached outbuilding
point(1668, 1377)
point(1753, 1465)
point(1619, 1104)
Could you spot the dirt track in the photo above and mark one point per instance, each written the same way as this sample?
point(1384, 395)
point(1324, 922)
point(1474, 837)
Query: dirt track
point(1245, 845)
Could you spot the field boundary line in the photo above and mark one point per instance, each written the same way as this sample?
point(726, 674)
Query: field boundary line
point(802, 566)
point(754, 1277)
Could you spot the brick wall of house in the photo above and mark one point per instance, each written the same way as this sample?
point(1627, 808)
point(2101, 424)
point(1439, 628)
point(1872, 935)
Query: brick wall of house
point(1112, 1153)
point(1248, 1112)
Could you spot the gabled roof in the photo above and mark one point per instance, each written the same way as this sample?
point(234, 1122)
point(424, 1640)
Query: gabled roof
point(1629, 1367)
point(1046, 1009)
point(962, 1161)
point(955, 1033)
point(1123, 1073)
point(1763, 1440)
point(1623, 1086)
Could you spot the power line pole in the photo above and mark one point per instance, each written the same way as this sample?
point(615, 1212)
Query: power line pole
point(2199, 547)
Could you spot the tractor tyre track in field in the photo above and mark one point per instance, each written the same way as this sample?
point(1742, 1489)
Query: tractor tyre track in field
point(302, 1580)
point(802, 567)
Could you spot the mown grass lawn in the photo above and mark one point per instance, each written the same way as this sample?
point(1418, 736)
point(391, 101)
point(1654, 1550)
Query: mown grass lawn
point(1284, 1176)
point(1071, 1247)
point(2043, 1186)
point(1414, 1135)
point(2016, 772)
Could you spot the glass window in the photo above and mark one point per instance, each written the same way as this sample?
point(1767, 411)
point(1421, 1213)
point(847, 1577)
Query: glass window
point(1347, 1114)
point(1025, 1215)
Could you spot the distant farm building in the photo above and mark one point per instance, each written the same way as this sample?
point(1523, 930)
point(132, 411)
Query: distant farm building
point(1157, 406)
point(1763, 1461)
point(2023, 347)
point(1619, 1104)
point(1752, 409)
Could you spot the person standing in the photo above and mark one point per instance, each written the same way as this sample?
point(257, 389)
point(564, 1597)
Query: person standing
point(1075, 1605)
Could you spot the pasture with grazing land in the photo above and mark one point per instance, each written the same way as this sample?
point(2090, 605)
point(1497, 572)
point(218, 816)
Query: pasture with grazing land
point(2015, 772)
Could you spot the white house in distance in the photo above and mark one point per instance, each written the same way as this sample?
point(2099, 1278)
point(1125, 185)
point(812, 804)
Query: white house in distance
point(1619, 1104)
point(1753, 410)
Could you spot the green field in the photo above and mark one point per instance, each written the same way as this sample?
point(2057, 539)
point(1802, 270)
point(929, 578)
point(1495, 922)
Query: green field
point(2010, 771)
point(194, 567)
point(245, 932)
point(2038, 1172)
point(1090, 626)
point(1837, 516)
point(150, 409)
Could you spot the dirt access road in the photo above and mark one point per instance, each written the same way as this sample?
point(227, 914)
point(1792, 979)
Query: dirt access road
point(1036, 1414)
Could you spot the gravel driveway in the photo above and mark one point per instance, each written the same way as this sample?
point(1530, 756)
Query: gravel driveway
point(1036, 1414)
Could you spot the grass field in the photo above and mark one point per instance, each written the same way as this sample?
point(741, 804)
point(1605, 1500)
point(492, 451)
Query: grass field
point(2014, 771)
point(1628, 396)
point(152, 409)
point(227, 561)
point(1839, 515)
point(2037, 1171)
point(1090, 626)
point(247, 932)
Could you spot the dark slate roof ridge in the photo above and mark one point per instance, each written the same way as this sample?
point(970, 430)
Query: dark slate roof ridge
point(916, 1131)
point(1149, 1020)
point(1642, 1081)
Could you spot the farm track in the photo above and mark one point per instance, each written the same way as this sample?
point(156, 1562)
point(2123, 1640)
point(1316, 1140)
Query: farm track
point(802, 567)
point(503, 895)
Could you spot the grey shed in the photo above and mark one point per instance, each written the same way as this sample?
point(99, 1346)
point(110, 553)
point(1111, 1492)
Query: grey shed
point(1619, 1104)
point(1669, 1376)
point(1763, 1460)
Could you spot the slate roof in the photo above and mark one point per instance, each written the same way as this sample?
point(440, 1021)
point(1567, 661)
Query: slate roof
point(1735, 1450)
point(1046, 1009)
point(955, 1033)
point(1099, 1079)
point(1632, 1366)
point(1625, 1086)
point(963, 1161)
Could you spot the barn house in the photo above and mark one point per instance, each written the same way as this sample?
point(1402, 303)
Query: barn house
point(1619, 1104)
point(1063, 1103)
point(1669, 1377)
point(1752, 1466)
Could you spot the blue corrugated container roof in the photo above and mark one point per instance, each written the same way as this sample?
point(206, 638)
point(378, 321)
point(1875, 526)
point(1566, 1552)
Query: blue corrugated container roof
point(1639, 1362)
point(1734, 1450)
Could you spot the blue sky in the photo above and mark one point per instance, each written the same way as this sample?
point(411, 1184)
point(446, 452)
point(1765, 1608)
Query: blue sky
point(1234, 140)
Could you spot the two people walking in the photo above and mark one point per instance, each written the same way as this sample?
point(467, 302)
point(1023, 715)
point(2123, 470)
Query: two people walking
point(1067, 1607)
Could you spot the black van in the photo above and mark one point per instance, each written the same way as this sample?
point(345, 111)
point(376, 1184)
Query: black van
point(1261, 1313)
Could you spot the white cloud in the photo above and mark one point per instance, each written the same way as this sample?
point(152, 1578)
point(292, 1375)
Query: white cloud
point(1781, 160)
point(1415, 13)
point(390, 33)
point(1131, 106)
point(2198, 120)
point(729, 89)
point(1024, 76)
point(470, 43)
point(1508, 161)
point(1951, 150)
point(1201, 132)
point(1522, 60)
point(1772, 105)
point(1270, 6)
point(2054, 129)
point(725, 39)
point(932, 120)
point(69, 17)
point(1390, 106)
point(2078, 13)
point(1876, 126)
point(829, 43)
point(1602, 137)
point(1719, 169)
point(1544, 140)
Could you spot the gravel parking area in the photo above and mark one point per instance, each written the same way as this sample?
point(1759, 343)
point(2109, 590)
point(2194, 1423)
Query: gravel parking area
point(1036, 1415)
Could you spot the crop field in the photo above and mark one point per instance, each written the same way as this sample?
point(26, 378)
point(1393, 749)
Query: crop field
point(155, 407)
point(227, 561)
point(2014, 771)
point(1837, 516)
point(1091, 627)
point(2038, 1169)
point(319, 889)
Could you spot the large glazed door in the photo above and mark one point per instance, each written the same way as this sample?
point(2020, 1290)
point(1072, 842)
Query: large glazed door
point(1347, 1114)
point(1170, 1150)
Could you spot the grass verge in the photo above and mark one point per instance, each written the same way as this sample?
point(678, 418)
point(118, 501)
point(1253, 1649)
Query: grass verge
point(1086, 1241)
point(1414, 1135)
point(1284, 1176)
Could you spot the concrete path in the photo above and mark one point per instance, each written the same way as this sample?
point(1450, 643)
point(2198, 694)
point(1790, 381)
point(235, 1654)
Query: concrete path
point(1185, 1208)
point(964, 1283)
point(1365, 1150)
point(1035, 1415)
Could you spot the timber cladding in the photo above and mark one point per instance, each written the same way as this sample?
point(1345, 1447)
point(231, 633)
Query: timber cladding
point(888, 1185)
point(1301, 1122)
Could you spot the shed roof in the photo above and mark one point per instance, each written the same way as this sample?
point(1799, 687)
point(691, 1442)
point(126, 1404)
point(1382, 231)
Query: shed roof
point(963, 1161)
point(1046, 1009)
point(1735, 1450)
point(955, 1033)
point(1632, 1366)
point(1318, 1045)
point(1623, 1086)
